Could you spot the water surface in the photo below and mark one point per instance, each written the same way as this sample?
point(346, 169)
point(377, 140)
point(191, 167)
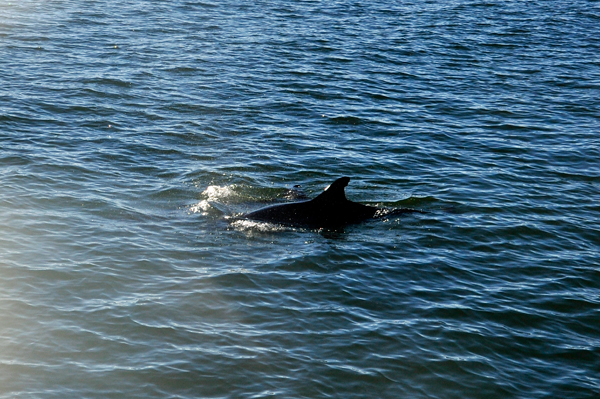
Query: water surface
point(131, 131)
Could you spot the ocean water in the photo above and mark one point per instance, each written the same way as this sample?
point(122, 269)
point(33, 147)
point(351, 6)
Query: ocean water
point(133, 132)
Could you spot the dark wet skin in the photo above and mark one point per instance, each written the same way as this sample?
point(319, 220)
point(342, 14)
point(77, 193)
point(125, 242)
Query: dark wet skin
point(331, 209)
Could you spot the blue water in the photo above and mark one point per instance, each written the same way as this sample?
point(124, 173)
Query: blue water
point(133, 132)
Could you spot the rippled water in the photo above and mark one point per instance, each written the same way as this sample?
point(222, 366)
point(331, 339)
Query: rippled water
point(131, 131)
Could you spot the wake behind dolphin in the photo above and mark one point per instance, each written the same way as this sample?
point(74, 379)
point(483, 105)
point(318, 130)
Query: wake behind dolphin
point(330, 209)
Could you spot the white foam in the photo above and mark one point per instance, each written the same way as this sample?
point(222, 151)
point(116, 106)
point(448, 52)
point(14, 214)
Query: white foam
point(246, 225)
point(218, 193)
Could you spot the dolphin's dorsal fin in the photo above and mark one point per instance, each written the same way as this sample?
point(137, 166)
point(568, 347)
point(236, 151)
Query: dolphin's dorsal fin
point(335, 191)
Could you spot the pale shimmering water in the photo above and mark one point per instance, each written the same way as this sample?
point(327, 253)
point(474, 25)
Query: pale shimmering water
point(131, 131)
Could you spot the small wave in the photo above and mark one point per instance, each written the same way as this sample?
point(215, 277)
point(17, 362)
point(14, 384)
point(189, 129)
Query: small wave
point(219, 193)
point(252, 226)
point(213, 197)
point(203, 207)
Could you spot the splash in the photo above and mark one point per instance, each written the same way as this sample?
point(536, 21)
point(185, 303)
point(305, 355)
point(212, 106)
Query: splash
point(203, 207)
point(219, 193)
point(214, 195)
point(251, 226)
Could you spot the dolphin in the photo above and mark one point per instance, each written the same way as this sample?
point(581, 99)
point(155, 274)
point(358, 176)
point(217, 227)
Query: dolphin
point(330, 209)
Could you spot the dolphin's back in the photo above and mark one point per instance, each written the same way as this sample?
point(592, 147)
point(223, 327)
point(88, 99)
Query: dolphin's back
point(329, 209)
point(296, 213)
